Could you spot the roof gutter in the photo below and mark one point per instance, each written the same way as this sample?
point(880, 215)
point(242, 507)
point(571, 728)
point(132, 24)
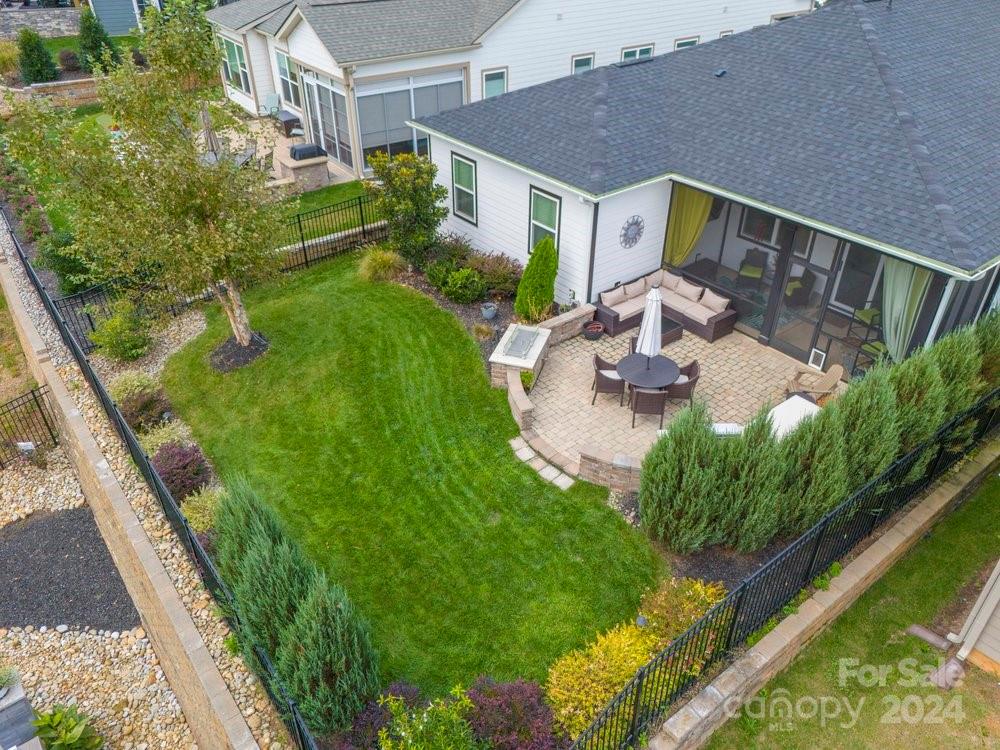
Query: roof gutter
point(897, 252)
point(411, 55)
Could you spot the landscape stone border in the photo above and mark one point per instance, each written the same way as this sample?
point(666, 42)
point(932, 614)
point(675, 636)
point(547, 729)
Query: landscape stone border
point(72, 93)
point(692, 724)
point(48, 22)
point(211, 710)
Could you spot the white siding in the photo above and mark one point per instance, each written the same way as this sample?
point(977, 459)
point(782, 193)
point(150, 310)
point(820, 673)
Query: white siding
point(503, 195)
point(260, 66)
point(537, 41)
point(306, 48)
point(988, 642)
point(614, 264)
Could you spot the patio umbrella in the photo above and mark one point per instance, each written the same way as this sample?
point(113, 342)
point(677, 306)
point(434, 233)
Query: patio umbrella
point(649, 332)
point(212, 143)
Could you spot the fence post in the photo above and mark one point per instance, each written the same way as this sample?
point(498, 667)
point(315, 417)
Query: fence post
point(302, 239)
point(736, 615)
point(361, 210)
point(812, 558)
point(634, 731)
point(45, 416)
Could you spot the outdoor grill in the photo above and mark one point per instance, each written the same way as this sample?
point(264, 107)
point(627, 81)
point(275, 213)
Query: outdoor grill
point(302, 151)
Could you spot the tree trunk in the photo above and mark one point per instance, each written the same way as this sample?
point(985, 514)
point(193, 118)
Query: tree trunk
point(229, 297)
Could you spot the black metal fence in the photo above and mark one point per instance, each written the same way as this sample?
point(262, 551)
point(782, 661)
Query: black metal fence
point(624, 722)
point(26, 426)
point(209, 573)
point(310, 236)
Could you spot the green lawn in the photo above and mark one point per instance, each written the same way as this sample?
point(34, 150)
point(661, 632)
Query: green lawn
point(58, 43)
point(318, 225)
point(371, 427)
point(325, 196)
point(916, 590)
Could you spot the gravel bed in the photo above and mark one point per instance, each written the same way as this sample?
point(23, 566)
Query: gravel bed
point(56, 570)
point(170, 338)
point(27, 487)
point(112, 676)
point(264, 722)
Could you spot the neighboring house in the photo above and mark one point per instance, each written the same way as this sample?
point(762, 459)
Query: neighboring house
point(836, 176)
point(980, 636)
point(355, 72)
point(121, 17)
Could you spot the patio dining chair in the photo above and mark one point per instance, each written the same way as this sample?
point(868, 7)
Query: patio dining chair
point(607, 380)
point(752, 267)
point(271, 105)
point(682, 389)
point(647, 401)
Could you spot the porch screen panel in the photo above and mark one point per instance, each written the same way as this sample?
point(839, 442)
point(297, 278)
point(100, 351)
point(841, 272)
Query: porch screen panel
point(904, 288)
point(689, 209)
point(343, 131)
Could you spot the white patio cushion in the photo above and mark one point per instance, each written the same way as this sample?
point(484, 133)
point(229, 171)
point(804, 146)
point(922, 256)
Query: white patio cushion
point(670, 280)
point(681, 379)
point(636, 288)
point(613, 296)
point(713, 301)
point(630, 307)
point(697, 311)
point(727, 428)
point(612, 374)
point(673, 299)
point(689, 291)
point(655, 278)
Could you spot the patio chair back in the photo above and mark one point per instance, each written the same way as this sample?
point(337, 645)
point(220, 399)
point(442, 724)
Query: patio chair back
point(606, 380)
point(272, 105)
point(648, 401)
point(685, 390)
point(816, 384)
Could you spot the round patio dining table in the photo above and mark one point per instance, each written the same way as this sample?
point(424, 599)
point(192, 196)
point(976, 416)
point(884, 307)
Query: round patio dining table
point(648, 372)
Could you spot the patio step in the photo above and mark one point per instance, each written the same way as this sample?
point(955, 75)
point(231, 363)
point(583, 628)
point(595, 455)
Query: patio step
point(546, 471)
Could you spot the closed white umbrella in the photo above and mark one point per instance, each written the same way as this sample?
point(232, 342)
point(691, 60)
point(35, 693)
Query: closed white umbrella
point(649, 331)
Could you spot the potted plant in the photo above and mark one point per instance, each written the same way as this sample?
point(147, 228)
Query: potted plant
point(8, 678)
point(489, 310)
point(592, 330)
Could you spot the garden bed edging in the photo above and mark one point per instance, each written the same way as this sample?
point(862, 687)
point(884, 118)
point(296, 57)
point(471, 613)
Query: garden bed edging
point(72, 93)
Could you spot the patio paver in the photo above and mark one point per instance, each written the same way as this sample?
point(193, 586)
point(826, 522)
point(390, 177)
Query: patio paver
point(738, 376)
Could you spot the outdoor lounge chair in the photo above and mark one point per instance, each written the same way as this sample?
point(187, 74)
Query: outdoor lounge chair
point(683, 387)
point(815, 383)
point(799, 288)
point(271, 105)
point(647, 401)
point(752, 267)
point(607, 380)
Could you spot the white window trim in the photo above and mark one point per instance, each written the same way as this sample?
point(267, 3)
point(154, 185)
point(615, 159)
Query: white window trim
point(778, 17)
point(293, 69)
point(724, 34)
point(244, 68)
point(531, 215)
point(683, 41)
point(455, 187)
point(494, 71)
point(637, 49)
point(589, 56)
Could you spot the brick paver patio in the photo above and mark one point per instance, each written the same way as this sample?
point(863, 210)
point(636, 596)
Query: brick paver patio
point(738, 376)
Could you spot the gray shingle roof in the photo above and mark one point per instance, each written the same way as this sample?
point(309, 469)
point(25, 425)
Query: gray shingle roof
point(878, 121)
point(356, 30)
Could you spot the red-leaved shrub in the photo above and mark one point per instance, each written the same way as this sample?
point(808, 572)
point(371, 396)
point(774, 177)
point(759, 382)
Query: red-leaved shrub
point(363, 734)
point(182, 468)
point(512, 716)
point(145, 410)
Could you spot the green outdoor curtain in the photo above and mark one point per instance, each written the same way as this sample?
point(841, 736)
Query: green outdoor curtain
point(689, 209)
point(904, 287)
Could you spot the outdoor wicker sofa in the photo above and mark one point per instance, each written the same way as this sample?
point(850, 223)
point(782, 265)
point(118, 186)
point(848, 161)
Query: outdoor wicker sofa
point(695, 308)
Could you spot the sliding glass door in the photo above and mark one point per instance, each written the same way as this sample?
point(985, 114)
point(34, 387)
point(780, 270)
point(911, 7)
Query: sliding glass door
point(328, 123)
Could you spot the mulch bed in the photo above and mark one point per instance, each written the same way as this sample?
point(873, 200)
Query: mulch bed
point(230, 356)
point(470, 315)
point(719, 564)
point(56, 570)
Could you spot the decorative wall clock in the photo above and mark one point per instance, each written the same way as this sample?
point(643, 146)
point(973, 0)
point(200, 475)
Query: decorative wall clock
point(631, 231)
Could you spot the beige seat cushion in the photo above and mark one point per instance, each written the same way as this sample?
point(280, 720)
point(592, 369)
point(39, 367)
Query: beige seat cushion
point(689, 291)
point(655, 278)
point(698, 312)
point(613, 297)
point(635, 289)
point(670, 281)
point(629, 307)
point(673, 299)
point(714, 301)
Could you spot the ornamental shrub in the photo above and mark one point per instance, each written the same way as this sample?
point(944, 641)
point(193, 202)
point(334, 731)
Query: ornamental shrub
point(511, 716)
point(199, 508)
point(464, 286)
point(439, 271)
point(183, 468)
point(813, 470)
point(958, 358)
point(582, 682)
point(131, 383)
point(405, 193)
point(676, 605)
point(36, 65)
point(34, 223)
point(750, 481)
point(381, 264)
point(173, 431)
point(364, 731)
point(920, 404)
point(146, 410)
point(537, 288)
point(69, 60)
point(65, 728)
point(55, 252)
point(871, 429)
point(124, 334)
point(242, 517)
point(988, 337)
point(326, 658)
point(441, 724)
point(274, 580)
point(8, 57)
point(94, 42)
point(454, 248)
point(499, 272)
point(680, 500)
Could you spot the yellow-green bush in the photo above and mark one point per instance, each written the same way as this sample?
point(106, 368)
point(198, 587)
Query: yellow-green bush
point(199, 508)
point(676, 605)
point(173, 431)
point(131, 383)
point(381, 264)
point(8, 57)
point(582, 682)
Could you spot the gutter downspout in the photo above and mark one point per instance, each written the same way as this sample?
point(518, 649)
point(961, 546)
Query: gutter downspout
point(593, 253)
point(949, 289)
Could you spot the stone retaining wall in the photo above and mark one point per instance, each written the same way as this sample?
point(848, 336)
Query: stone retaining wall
point(569, 324)
point(211, 712)
point(48, 22)
point(692, 725)
point(620, 472)
point(73, 93)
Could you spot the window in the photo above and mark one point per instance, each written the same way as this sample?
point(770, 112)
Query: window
point(583, 63)
point(234, 65)
point(689, 41)
point(637, 53)
point(544, 218)
point(463, 187)
point(723, 34)
point(494, 83)
point(288, 74)
point(759, 226)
